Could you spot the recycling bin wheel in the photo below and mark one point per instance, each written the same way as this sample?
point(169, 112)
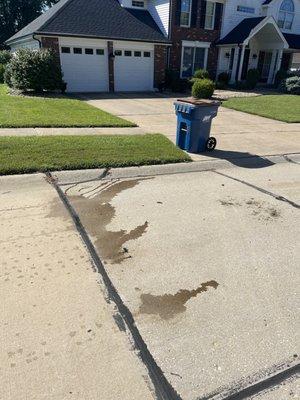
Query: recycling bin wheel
point(211, 144)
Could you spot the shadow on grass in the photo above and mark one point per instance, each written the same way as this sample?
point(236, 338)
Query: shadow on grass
point(241, 159)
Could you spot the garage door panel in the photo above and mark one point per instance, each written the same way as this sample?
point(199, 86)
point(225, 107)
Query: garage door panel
point(85, 72)
point(133, 73)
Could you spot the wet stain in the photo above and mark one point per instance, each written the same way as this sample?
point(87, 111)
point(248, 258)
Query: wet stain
point(97, 212)
point(169, 305)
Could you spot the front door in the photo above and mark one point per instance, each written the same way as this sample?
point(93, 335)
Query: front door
point(264, 65)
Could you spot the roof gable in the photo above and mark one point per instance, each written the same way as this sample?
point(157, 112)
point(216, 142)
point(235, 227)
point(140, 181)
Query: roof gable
point(241, 31)
point(97, 19)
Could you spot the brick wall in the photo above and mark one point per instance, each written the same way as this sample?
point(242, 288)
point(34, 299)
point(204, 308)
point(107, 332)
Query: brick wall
point(50, 43)
point(53, 44)
point(178, 34)
point(160, 59)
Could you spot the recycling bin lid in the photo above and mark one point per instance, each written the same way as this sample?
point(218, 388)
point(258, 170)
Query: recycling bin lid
point(200, 102)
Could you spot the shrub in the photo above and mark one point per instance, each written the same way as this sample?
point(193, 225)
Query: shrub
point(291, 85)
point(252, 78)
point(224, 77)
point(221, 85)
point(2, 71)
point(203, 89)
point(241, 85)
point(34, 70)
point(5, 57)
point(280, 76)
point(174, 82)
point(201, 74)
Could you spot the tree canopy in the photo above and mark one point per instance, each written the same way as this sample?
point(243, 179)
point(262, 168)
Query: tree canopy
point(15, 14)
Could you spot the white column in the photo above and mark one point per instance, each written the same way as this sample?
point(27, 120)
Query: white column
point(234, 66)
point(279, 59)
point(272, 67)
point(241, 62)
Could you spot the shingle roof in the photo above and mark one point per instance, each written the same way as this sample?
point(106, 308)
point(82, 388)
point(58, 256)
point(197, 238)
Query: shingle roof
point(97, 19)
point(293, 40)
point(241, 31)
point(39, 22)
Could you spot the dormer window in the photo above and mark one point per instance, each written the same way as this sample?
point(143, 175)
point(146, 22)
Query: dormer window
point(139, 4)
point(185, 13)
point(286, 14)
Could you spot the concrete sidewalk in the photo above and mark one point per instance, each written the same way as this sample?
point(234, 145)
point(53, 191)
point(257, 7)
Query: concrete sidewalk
point(58, 337)
point(205, 263)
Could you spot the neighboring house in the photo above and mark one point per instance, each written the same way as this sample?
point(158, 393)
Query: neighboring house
point(262, 34)
point(126, 45)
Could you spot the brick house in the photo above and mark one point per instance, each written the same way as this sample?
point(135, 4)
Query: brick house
point(126, 45)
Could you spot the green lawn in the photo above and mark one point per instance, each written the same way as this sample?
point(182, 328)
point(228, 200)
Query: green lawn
point(26, 112)
point(48, 153)
point(281, 107)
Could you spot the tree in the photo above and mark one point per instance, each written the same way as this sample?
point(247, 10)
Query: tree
point(15, 14)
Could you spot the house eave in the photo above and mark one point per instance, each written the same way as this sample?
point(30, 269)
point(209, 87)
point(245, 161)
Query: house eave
point(58, 34)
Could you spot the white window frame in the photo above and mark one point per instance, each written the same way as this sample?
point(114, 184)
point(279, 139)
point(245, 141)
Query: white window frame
point(213, 16)
point(203, 45)
point(285, 14)
point(190, 16)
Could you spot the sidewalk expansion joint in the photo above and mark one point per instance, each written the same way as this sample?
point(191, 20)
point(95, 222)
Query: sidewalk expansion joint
point(264, 191)
point(163, 388)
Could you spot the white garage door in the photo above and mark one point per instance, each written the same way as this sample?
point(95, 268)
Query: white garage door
point(85, 69)
point(133, 70)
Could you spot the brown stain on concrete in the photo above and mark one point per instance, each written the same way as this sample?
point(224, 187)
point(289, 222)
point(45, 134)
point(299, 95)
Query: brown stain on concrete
point(260, 209)
point(167, 306)
point(96, 213)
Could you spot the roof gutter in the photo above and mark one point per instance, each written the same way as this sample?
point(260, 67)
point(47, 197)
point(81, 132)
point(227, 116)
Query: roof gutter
point(38, 40)
point(162, 42)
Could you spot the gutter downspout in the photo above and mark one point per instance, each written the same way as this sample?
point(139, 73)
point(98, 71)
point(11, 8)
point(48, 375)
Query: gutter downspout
point(38, 40)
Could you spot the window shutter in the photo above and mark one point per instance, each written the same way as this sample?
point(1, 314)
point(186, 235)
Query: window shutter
point(178, 12)
point(194, 13)
point(218, 15)
point(203, 12)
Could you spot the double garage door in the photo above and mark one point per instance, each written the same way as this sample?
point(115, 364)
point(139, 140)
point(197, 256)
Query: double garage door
point(85, 68)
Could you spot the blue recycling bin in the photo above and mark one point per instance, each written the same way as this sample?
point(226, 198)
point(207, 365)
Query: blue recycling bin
point(194, 118)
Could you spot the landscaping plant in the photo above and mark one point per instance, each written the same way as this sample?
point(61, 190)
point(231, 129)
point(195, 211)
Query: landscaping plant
point(252, 78)
point(5, 57)
point(280, 76)
point(291, 85)
point(203, 88)
point(201, 74)
point(224, 78)
point(34, 70)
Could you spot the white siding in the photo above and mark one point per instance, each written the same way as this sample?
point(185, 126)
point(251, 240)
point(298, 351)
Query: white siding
point(160, 9)
point(232, 17)
point(273, 10)
point(25, 44)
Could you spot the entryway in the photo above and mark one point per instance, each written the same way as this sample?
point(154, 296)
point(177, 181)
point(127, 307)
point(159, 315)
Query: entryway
point(264, 65)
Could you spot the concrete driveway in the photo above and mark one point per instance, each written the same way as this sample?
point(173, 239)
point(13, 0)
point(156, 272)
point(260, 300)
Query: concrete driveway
point(238, 134)
point(151, 283)
point(207, 265)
